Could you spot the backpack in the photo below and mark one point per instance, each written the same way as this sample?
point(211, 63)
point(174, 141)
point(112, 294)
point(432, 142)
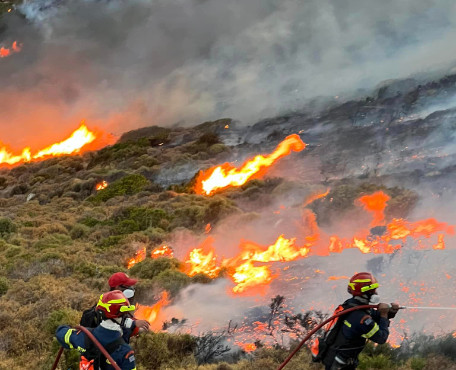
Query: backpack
point(322, 344)
point(90, 318)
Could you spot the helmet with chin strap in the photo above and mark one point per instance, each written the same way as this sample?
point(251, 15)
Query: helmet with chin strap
point(113, 305)
point(363, 283)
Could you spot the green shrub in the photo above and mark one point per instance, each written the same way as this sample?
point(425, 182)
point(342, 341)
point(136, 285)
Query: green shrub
point(164, 351)
point(61, 317)
point(110, 241)
point(376, 362)
point(417, 363)
point(217, 149)
point(150, 268)
point(53, 241)
point(79, 231)
point(172, 281)
point(6, 227)
point(89, 221)
point(4, 285)
point(126, 227)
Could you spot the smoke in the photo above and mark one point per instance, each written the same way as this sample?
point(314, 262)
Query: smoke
point(123, 65)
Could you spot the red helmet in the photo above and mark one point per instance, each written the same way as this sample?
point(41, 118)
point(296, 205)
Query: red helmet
point(114, 304)
point(362, 283)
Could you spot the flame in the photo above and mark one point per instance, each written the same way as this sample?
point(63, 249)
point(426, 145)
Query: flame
point(316, 196)
point(163, 251)
point(78, 139)
point(101, 185)
point(226, 175)
point(200, 262)
point(251, 267)
point(139, 256)
point(247, 276)
point(246, 347)
point(338, 278)
point(6, 52)
point(376, 204)
point(152, 313)
point(208, 228)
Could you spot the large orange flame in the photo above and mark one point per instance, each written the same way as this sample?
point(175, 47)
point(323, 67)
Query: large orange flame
point(6, 52)
point(139, 256)
point(163, 251)
point(376, 204)
point(152, 313)
point(78, 139)
point(201, 262)
point(251, 268)
point(226, 175)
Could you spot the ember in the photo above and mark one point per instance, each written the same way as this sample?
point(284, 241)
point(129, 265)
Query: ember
point(246, 347)
point(102, 185)
point(226, 175)
point(6, 52)
point(78, 139)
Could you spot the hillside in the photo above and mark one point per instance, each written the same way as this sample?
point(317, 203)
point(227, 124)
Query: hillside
point(60, 238)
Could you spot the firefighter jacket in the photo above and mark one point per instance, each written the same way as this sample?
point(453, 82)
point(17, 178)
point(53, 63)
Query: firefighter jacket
point(356, 328)
point(122, 353)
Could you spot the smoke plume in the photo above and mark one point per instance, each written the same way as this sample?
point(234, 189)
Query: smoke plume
point(126, 64)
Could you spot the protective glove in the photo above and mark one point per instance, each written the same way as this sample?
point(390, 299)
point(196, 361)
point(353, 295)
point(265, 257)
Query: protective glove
point(143, 325)
point(393, 310)
point(383, 309)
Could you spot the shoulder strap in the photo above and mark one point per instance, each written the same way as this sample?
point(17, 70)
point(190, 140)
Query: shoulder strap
point(92, 352)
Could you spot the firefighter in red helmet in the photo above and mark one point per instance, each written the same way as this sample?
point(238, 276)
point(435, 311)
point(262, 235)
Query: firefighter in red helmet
point(113, 307)
point(346, 336)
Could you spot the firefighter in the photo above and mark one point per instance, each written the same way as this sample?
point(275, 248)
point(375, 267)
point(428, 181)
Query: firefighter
point(118, 281)
point(112, 307)
point(346, 338)
point(131, 326)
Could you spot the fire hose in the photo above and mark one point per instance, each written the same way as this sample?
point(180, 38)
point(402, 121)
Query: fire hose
point(319, 326)
point(96, 342)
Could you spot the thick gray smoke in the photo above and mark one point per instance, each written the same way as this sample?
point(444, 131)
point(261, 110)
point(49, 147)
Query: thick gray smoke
point(126, 64)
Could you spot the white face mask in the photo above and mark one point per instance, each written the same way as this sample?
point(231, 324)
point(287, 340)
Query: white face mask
point(374, 299)
point(128, 293)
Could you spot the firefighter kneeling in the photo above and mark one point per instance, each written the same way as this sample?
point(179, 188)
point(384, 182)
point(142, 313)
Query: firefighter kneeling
point(113, 307)
point(346, 336)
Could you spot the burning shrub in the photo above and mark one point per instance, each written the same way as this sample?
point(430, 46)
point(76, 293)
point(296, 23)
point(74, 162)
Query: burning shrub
point(342, 199)
point(128, 185)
